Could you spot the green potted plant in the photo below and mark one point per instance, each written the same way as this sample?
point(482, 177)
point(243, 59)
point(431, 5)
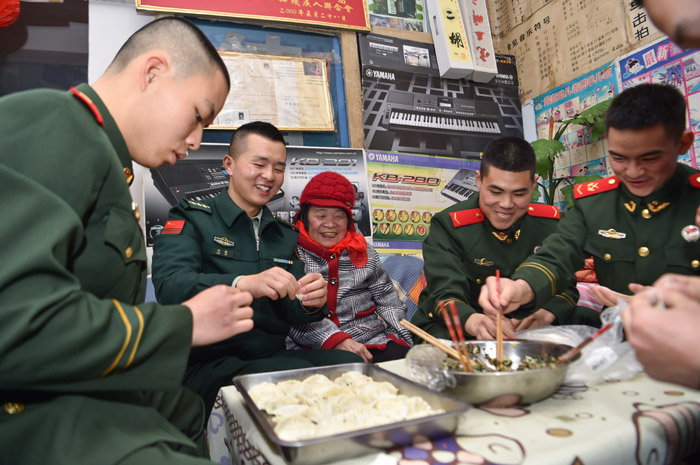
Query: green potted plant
point(547, 150)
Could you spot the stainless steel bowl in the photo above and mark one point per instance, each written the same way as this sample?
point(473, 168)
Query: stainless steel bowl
point(506, 388)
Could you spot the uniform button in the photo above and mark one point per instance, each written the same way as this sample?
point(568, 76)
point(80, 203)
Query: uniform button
point(135, 209)
point(332, 256)
point(645, 214)
point(531, 209)
point(643, 252)
point(430, 315)
point(607, 257)
point(611, 181)
point(334, 281)
point(128, 252)
point(478, 215)
point(695, 264)
point(478, 280)
point(13, 407)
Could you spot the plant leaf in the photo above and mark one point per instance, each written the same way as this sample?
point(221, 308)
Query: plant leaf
point(536, 194)
point(568, 190)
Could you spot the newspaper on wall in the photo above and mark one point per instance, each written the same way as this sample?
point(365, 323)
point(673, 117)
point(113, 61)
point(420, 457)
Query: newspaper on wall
point(566, 38)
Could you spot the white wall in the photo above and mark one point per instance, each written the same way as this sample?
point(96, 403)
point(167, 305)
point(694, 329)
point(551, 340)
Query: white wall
point(529, 126)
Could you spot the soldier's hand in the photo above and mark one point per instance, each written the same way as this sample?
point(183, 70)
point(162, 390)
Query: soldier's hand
point(219, 313)
point(607, 296)
point(314, 290)
point(274, 283)
point(514, 294)
point(482, 326)
point(686, 284)
point(665, 339)
point(355, 347)
point(538, 319)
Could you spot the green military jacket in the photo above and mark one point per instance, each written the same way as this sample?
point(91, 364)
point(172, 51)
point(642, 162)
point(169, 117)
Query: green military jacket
point(463, 249)
point(631, 239)
point(216, 244)
point(73, 272)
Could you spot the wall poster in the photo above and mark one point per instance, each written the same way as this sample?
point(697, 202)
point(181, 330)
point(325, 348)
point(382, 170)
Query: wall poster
point(290, 92)
point(407, 15)
point(408, 108)
point(345, 14)
point(407, 190)
point(581, 156)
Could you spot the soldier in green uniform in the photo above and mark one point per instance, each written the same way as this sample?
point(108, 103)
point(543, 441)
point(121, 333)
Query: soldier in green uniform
point(88, 374)
point(493, 230)
point(234, 239)
point(638, 224)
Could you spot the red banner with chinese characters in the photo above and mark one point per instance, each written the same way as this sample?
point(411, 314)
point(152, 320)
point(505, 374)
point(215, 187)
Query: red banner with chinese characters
point(347, 14)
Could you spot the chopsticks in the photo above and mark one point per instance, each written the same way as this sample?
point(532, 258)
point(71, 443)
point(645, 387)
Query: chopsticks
point(429, 338)
point(457, 334)
point(571, 353)
point(499, 324)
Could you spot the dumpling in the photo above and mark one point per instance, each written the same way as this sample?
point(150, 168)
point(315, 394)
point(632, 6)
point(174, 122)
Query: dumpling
point(288, 410)
point(352, 379)
point(376, 391)
point(273, 404)
point(295, 429)
point(291, 387)
point(262, 393)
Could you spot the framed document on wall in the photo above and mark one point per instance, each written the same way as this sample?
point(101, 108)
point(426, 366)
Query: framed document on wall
point(343, 14)
point(290, 92)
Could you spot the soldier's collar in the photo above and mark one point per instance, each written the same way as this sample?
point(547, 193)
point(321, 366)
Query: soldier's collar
point(507, 236)
point(657, 201)
point(112, 131)
point(230, 212)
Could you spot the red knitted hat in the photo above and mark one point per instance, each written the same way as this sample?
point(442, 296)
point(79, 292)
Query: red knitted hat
point(329, 189)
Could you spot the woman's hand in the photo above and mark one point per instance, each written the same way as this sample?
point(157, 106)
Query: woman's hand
point(356, 348)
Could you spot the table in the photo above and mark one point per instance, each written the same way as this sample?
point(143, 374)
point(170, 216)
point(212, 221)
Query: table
point(636, 421)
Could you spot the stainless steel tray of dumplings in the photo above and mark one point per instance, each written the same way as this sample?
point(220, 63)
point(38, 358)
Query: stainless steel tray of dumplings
point(322, 450)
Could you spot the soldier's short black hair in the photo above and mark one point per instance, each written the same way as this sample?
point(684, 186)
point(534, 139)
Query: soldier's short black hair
point(647, 105)
point(512, 154)
point(238, 140)
point(191, 51)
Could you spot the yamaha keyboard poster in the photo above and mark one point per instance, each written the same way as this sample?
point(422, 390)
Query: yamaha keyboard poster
point(201, 176)
point(408, 108)
point(407, 190)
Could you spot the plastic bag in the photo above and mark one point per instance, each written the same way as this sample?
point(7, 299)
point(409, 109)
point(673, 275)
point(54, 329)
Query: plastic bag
point(426, 365)
point(605, 359)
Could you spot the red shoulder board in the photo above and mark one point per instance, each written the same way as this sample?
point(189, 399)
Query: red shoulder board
point(695, 180)
point(596, 187)
point(465, 217)
point(88, 103)
point(543, 211)
point(173, 227)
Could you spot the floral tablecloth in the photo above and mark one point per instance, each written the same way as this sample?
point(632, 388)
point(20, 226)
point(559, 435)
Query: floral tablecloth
point(636, 421)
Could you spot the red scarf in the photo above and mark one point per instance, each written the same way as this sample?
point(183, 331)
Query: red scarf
point(353, 242)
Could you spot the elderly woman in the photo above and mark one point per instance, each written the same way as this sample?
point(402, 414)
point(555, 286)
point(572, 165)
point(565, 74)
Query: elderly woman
point(364, 307)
